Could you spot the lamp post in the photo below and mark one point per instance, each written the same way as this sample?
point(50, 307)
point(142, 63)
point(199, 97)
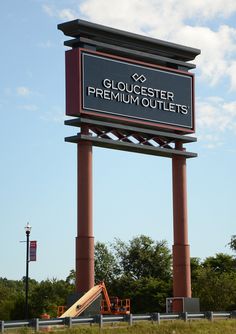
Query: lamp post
point(27, 231)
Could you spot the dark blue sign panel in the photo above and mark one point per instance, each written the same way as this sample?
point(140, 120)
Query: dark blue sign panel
point(138, 92)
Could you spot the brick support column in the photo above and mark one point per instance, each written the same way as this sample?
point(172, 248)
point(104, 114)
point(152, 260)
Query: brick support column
point(181, 252)
point(85, 239)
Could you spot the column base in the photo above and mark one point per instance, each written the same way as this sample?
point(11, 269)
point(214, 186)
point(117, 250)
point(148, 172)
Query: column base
point(181, 271)
point(84, 263)
point(92, 310)
point(182, 304)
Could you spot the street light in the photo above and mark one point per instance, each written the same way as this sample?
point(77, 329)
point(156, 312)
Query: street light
point(27, 231)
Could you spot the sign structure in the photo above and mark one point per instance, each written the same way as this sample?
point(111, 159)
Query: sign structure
point(116, 88)
point(33, 250)
point(133, 93)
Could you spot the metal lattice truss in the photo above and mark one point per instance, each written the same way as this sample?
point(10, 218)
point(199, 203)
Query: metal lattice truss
point(128, 138)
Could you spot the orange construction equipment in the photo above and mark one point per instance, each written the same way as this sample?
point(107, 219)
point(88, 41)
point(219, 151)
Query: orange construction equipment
point(108, 306)
point(114, 305)
point(60, 310)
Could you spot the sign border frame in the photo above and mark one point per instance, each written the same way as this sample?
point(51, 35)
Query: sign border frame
point(74, 92)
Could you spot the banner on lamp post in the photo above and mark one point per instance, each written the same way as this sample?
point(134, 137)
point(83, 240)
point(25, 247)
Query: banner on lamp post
point(33, 250)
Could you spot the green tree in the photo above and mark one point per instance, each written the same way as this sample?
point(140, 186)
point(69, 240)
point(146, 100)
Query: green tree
point(220, 263)
point(18, 311)
point(214, 282)
point(139, 269)
point(147, 294)
point(144, 257)
point(144, 273)
point(48, 295)
point(106, 267)
point(11, 296)
point(6, 299)
point(70, 279)
point(232, 243)
point(217, 291)
point(196, 265)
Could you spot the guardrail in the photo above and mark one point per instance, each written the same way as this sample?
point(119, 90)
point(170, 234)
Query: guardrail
point(68, 322)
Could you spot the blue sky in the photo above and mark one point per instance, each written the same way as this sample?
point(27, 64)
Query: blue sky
point(132, 193)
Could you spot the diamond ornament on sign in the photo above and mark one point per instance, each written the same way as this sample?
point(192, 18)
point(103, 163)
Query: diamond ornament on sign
point(136, 77)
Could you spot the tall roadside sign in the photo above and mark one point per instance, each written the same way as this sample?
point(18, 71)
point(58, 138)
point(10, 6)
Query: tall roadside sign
point(133, 93)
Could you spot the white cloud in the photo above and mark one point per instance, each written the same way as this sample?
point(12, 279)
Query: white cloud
point(132, 15)
point(170, 20)
point(210, 141)
point(214, 114)
point(55, 114)
point(164, 17)
point(215, 118)
point(231, 70)
point(204, 9)
point(218, 48)
point(23, 91)
point(66, 14)
point(48, 10)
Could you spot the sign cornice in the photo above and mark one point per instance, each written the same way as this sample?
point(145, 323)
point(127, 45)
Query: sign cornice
point(81, 28)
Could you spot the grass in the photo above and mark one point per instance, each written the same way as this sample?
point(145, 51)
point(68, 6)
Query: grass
point(175, 327)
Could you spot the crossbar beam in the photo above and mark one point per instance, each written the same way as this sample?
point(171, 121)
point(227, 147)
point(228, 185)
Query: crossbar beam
point(130, 147)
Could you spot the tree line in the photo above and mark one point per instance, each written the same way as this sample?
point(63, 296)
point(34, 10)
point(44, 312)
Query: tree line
point(140, 269)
